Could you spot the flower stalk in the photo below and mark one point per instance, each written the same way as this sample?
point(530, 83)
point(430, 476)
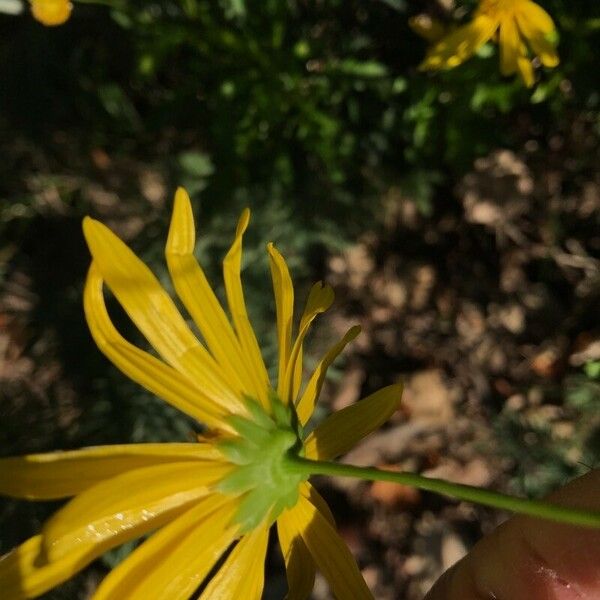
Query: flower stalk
point(534, 508)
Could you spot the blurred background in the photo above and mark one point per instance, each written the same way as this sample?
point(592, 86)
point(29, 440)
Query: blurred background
point(455, 214)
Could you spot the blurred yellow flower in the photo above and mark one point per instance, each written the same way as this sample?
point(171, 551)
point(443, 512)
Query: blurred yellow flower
point(51, 12)
point(197, 499)
point(519, 26)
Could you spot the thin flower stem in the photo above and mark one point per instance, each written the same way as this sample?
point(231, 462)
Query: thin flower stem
point(534, 508)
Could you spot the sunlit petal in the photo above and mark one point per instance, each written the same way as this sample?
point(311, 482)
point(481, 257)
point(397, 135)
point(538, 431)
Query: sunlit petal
point(300, 568)
point(24, 573)
point(128, 506)
point(198, 297)
point(345, 428)
point(319, 300)
point(174, 562)
point(242, 575)
point(237, 307)
point(284, 305)
point(62, 474)
point(328, 551)
point(145, 369)
point(299, 565)
point(306, 404)
point(154, 312)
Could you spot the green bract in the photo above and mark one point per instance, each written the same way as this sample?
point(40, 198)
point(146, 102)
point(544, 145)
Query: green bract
point(261, 453)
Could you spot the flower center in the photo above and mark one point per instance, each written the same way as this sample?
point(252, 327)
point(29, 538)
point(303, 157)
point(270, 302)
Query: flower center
point(262, 479)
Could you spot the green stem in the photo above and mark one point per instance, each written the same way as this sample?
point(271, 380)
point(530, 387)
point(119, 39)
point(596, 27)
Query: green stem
point(534, 508)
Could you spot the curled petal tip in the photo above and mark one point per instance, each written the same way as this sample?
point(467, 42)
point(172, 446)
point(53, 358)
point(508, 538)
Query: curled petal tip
point(243, 222)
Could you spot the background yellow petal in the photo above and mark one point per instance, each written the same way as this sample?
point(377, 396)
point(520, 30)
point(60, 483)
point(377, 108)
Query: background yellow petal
point(461, 44)
point(319, 300)
point(526, 71)
point(145, 369)
point(306, 404)
point(343, 429)
point(127, 506)
point(154, 312)
point(509, 46)
point(284, 306)
point(198, 297)
point(242, 575)
point(329, 552)
point(237, 307)
point(536, 26)
point(173, 563)
point(427, 27)
point(61, 474)
point(536, 16)
point(51, 12)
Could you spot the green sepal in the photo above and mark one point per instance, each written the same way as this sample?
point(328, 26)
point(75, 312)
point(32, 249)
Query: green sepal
point(258, 414)
point(250, 430)
point(261, 451)
point(282, 414)
point(236, 450)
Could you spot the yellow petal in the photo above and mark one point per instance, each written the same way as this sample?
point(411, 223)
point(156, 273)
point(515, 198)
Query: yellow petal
point(526, 71)
point(537, 26)
point(509, 46)
point(23, 573)
point(319, 300)
point(537, 17)
point(427, 27)
point(153, 311)
point(329, 552)
point(243, 573)
point(461, 44)
point(173, 563)
point(127, 506)
point(142, 367)
point(61, 474)
point(201, 302)
point(237, 307)
point(51, 12)
point(343, 429)
point(300, 568)
point(299, 565)
point(306, 404)
point(308, 491)
point(284, 305)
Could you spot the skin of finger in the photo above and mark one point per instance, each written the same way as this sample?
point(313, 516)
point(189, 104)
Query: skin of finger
point(532, 559)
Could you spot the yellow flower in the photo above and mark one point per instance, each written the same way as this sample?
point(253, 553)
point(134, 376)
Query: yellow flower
point(520, 25)
point(51, 12)
point(197, 499)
